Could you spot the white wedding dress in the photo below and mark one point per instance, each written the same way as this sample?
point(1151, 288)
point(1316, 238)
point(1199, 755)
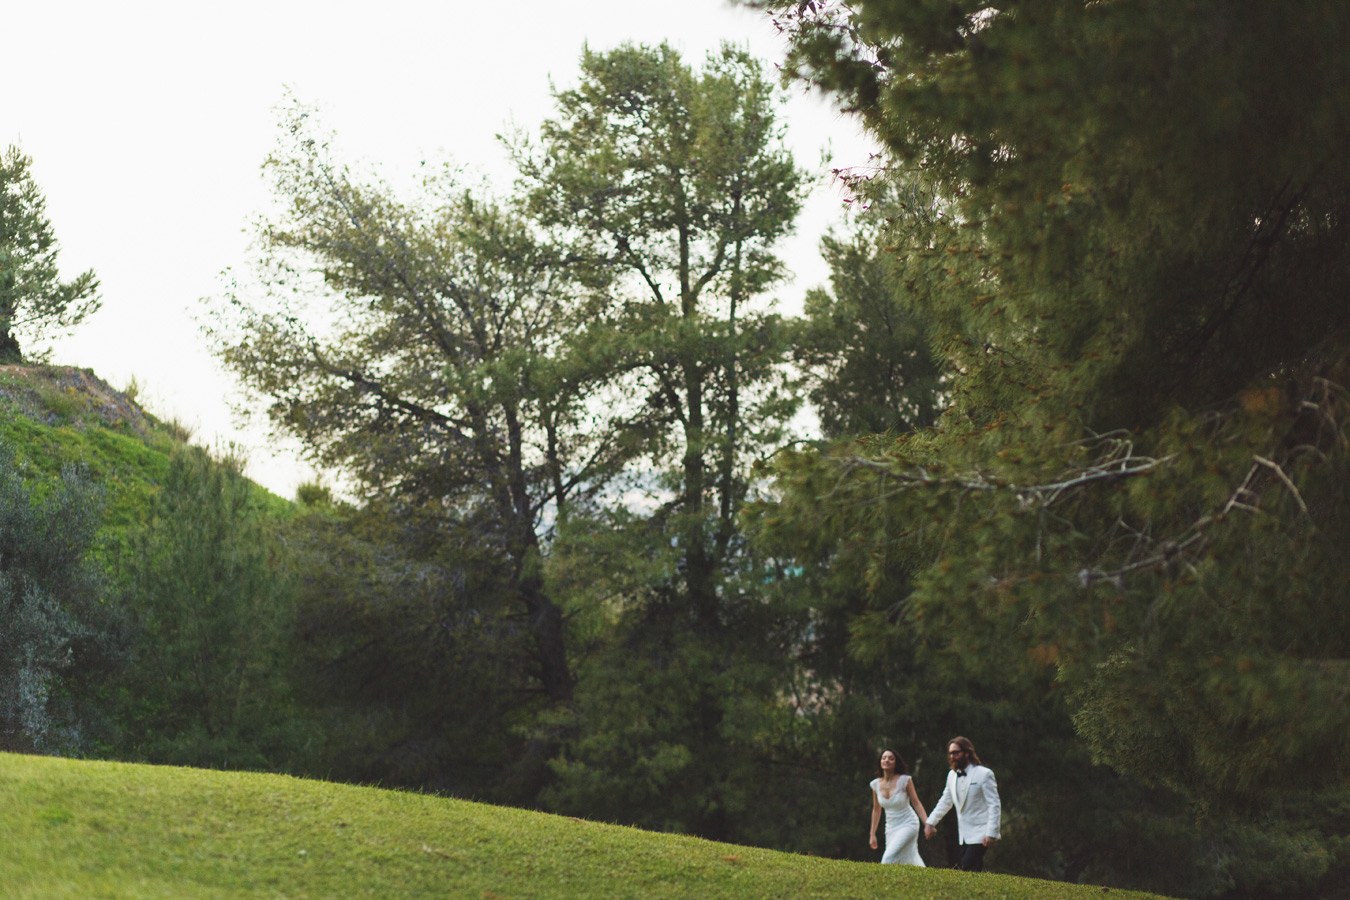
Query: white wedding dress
point(902, 825)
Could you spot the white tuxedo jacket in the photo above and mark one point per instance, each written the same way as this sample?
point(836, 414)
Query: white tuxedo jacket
point(976, 804)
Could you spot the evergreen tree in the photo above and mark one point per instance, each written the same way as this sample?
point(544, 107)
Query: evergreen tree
point(675, 185)
point(207, 685)
point(1140, 487)
point(33, 299)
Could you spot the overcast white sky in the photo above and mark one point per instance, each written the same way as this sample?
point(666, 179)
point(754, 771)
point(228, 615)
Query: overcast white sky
point(148, 121)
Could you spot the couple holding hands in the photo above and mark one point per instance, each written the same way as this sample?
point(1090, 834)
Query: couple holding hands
point(970, 790)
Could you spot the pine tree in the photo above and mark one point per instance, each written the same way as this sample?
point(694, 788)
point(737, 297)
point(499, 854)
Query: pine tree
point(433, 361)
point(1140, 486)
point(674, 183)
point(33, 298)
point(207, 685)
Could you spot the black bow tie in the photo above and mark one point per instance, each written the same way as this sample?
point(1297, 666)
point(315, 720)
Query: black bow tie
point(960, 773)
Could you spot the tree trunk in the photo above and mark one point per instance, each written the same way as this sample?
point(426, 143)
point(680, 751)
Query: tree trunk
point(546, 624)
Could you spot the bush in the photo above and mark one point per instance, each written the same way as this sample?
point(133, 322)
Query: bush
point(56, 633)
point(212, 610)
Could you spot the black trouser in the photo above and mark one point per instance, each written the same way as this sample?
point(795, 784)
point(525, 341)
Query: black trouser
point(970, 857)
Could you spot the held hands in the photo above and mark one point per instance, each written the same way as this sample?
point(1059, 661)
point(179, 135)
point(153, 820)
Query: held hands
point(929, 831)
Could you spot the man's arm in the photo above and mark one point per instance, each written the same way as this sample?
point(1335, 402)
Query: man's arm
point(991, 825)
point(940, 809)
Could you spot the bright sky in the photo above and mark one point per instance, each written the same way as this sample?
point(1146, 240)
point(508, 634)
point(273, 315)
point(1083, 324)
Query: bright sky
point(148, 120)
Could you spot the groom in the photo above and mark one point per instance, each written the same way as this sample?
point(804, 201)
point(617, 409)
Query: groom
point(971, 790)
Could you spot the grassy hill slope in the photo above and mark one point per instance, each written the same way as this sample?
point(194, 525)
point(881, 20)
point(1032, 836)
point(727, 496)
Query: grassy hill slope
point(51, 416)
point(80, 829)
point(54, 416)
point(73, 828)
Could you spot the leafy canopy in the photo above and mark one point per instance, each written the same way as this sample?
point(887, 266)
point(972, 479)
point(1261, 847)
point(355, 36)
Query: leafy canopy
point(1141, 481)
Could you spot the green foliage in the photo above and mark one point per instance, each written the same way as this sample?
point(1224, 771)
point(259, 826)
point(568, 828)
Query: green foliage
point(671, 724)
point(33, 299)
point(1139, 488)
point(1091, 152)
point(867, 349)
point(313, 493)
point(207, 684)
point(405, 651)
point(56, 636)
point(104, 829)
point(674, 185)
point(438, 375)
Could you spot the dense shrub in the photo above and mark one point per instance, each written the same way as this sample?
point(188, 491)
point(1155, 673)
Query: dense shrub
point(56, 632)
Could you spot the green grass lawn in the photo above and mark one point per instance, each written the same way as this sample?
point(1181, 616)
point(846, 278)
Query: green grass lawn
point(71, 828)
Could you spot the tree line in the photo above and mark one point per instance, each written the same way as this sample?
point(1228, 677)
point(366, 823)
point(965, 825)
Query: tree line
point(1077, 487)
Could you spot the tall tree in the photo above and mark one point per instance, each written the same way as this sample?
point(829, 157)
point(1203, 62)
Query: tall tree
point(675, 184)
point(1141, 482)
point(434, 370)
point(33, 298)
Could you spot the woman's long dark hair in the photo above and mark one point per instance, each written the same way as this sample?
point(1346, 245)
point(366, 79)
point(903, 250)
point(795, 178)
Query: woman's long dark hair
point(901, 767)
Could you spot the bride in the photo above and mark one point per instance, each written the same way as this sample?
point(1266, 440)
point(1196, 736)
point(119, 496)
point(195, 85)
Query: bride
point(893, 791)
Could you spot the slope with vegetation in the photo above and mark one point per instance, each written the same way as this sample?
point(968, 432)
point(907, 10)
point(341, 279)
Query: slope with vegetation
point(142, 604)
point(54, 417)
point(1079, 490)
point(116, 830)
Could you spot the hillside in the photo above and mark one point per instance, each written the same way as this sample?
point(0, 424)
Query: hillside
point(52, 416)
point(82, 828)
point(76, 828)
